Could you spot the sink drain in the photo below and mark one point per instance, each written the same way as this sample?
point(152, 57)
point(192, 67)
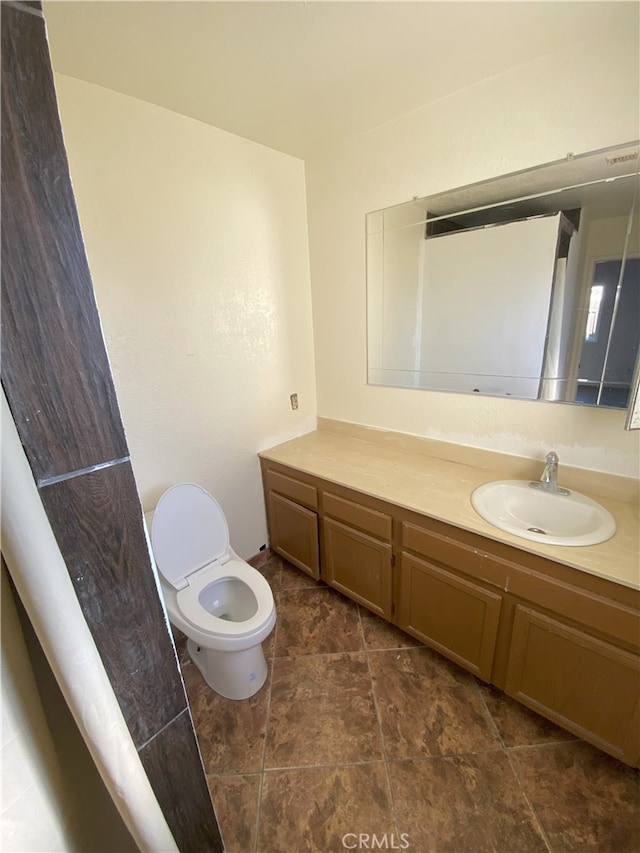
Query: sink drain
point(537, 530)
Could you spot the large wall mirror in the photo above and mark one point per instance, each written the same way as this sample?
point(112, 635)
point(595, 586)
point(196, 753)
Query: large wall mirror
point(525, 286)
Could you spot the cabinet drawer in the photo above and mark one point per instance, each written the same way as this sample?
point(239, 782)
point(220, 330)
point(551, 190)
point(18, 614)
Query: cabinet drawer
point(620, 623)
point(452, 614)
point(587, 685)
point(299, 492)
point(457, 555)
point(609, 617)
point(369, 520)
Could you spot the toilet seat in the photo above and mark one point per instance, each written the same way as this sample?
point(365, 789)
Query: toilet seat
point(188, 601)
point(190, 540)
point(189, 532)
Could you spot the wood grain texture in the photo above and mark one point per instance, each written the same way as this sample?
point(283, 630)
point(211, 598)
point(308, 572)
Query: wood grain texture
point(33, 6)
point(183, 795)
point(54, 364)
point(97, 521)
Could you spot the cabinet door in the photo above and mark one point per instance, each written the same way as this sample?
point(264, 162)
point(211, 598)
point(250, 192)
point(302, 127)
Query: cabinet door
point(451, 614)
point(358, 565)
point(585, 684)
point(293, 533)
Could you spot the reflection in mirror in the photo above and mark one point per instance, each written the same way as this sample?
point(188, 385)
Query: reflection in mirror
point(633, 412)
point(525, 286)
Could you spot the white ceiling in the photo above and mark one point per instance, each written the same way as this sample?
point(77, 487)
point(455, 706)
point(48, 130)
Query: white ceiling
point(300, 76)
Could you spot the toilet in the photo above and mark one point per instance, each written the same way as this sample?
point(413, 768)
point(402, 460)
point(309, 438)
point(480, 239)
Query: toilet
point(223, 605)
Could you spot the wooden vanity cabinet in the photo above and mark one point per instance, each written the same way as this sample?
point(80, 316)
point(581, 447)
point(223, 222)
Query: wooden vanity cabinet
point(357, 552)
point(356, 535)
point(293, 520)
point(581, 682)
point(563, 642)
point(454, 615)
point(451, 593)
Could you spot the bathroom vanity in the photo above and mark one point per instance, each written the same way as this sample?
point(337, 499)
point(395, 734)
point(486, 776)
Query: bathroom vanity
point(387, 521)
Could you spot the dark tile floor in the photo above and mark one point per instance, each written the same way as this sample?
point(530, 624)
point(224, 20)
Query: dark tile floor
point(359, 730)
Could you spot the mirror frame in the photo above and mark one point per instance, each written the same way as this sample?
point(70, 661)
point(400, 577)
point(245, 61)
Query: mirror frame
point(633, 412)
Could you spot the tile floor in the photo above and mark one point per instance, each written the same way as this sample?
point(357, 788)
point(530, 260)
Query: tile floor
point(359, 730)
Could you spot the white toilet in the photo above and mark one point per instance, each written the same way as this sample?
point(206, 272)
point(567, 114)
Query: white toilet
point(223, 605)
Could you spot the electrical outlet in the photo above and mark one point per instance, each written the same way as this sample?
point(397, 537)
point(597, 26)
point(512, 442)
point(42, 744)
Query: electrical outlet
point(294, 401)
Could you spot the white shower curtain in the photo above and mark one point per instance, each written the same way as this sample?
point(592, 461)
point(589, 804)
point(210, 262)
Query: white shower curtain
point(43, 584)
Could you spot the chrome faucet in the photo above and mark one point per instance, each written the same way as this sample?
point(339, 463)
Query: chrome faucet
point(549, 479)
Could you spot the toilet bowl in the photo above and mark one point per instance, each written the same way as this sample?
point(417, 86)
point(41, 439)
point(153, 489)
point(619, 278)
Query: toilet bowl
point(223, 605)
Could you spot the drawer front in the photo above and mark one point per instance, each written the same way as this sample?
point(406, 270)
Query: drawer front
point(617, 621)
point(587, 685)
point(453, 615)
point(434, 546)
point(620, 623)
point(299, 492)
point(369, 520)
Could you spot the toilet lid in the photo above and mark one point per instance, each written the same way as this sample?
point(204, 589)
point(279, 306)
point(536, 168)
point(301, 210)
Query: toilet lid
point(188, 532)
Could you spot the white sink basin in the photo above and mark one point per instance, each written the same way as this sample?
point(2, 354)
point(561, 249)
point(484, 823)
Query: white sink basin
point(573, 519)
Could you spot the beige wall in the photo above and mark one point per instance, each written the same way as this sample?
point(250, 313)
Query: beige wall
point(197, 244)
point(197, 241)
point(581, 99)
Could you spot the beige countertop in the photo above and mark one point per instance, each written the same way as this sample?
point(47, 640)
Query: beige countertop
point(436, 479)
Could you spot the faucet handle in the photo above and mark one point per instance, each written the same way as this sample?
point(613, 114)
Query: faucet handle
point(551, 458)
